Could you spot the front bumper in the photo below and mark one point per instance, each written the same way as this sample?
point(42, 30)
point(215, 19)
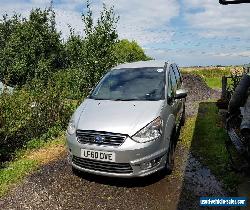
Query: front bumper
point(137, 155)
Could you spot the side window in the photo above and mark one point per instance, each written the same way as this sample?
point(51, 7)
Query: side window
point(173, 79)
point(177, 76)
point(170, 90)
point(178, 69)
point(172, 85)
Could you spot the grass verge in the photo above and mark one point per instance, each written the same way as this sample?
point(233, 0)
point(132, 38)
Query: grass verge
point(205, 136)
point(28, 160)
point(214, 82)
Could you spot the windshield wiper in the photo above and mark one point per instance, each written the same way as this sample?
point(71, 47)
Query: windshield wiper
point(101, 99)
point(132, 99)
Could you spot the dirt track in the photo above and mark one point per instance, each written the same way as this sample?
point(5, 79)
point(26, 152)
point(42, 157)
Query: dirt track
point(55, 187)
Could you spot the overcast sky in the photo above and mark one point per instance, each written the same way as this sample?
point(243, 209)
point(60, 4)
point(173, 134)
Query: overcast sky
point(190, 32)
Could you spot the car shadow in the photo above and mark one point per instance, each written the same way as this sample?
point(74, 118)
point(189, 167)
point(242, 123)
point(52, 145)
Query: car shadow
point(122, 182)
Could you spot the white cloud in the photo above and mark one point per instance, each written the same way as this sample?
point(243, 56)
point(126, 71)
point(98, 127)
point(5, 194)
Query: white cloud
point(145, 21)
point(214, 19)
point(40, 2)
point(234, 54)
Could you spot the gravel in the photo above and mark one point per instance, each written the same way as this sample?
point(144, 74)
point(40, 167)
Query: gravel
point(197, 91)
point(54, 186)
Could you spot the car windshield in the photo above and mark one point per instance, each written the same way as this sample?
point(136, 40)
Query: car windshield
point(131, 84)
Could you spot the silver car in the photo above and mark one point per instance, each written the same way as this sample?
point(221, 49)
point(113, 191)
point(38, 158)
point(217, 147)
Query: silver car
point(127, 126)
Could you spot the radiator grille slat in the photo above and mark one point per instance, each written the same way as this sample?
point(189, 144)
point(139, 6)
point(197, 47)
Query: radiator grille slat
point(110, 139)
point(120, 168)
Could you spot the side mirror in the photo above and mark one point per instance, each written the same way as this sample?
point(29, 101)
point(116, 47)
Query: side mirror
point(181, 93)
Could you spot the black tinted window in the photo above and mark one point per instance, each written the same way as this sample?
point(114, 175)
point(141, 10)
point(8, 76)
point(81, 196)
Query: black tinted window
point(173, 79)
point(177, 76)
point(172, 84)
point(170, 89)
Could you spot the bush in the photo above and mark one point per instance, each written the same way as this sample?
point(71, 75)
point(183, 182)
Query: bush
point(30, 112)
point(126, 51)
point(29, 47)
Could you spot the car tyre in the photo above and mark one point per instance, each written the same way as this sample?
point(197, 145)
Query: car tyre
point(171, 155)
point(183, 117)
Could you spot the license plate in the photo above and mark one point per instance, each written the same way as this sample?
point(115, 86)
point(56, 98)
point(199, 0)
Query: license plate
point(98, 155)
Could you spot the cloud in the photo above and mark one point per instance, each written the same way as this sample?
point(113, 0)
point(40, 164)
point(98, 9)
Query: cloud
point(218, 20)
point(235, 54)
point(145, 21)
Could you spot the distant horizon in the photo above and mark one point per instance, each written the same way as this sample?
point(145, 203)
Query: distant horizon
point(195, 66)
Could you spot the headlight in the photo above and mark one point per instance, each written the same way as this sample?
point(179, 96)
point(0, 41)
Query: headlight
point(150, 132)
point(71, 128)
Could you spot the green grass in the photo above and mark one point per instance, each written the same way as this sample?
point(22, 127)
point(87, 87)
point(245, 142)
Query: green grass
point(15, 172)
point(214, 83)
point(27, 161)
point(205, 136)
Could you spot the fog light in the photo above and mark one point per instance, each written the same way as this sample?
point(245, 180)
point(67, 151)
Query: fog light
point(150, 164)
point(146, 165)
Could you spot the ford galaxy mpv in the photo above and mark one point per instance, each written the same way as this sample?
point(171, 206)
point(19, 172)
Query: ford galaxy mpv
point(127, 126)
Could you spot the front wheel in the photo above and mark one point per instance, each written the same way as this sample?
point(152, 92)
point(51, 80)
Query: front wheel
point(170, 157)
point(183, 116)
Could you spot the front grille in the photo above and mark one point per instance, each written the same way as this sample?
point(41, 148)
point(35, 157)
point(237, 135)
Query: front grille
point(119, 168)
point(91, 137)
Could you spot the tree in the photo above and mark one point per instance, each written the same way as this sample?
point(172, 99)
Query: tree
point(32, 47)
point(126, 51)
point(74, 50)
point(99, 43)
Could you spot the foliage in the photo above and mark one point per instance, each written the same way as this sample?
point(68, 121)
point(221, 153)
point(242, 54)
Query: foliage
point(29, 47)
point(233, 82)
point(98, 45)
point(126, 51)
point(30, 112)
point(74, 50)
point(207, 72)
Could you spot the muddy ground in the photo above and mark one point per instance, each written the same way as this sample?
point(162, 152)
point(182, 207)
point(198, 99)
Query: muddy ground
point(55, 187)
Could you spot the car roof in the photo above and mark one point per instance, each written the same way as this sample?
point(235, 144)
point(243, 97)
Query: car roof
point(142, 64)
